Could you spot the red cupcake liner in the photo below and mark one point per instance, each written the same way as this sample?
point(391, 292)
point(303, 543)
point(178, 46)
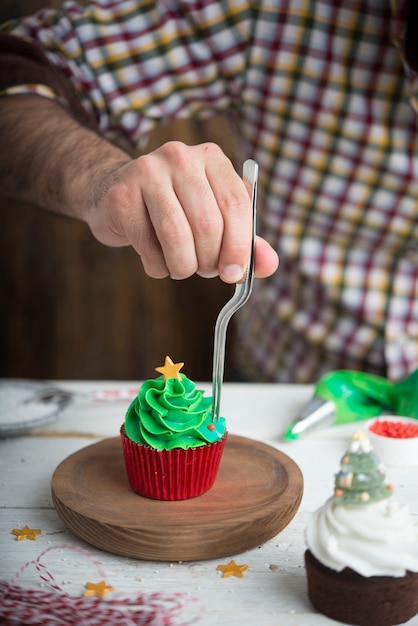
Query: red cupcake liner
point(171, 474)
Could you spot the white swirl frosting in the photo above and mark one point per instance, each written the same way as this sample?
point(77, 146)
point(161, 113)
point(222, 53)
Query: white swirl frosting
point(379, 539)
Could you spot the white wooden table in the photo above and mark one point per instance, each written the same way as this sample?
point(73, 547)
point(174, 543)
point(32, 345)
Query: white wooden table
point(273, 589)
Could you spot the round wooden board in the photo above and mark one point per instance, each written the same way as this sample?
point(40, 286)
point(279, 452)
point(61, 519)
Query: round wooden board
point(256, 493)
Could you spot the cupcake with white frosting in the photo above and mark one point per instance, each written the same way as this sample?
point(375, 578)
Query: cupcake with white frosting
point(362, 556)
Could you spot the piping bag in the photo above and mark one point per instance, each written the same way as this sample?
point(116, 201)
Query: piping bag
point(345, 396)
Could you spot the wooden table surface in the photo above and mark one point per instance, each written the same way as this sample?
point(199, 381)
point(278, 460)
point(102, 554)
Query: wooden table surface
point(272, 590)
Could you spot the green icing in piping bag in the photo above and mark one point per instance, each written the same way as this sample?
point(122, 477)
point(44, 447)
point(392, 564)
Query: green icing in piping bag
point(346, 396)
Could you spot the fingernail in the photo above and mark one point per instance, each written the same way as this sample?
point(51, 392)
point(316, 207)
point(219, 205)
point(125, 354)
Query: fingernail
point(208, 274)
point(232, 273)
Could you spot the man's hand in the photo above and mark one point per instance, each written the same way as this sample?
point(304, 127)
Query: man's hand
point(183, 209)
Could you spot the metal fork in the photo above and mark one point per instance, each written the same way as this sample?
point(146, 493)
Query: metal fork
point(241, 294)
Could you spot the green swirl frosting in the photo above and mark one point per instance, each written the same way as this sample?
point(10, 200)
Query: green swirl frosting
point(172, 414)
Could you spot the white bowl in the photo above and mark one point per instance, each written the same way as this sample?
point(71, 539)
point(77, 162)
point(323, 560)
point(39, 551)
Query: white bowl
point(396, 452)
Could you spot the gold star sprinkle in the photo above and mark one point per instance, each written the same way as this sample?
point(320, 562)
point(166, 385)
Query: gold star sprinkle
point(97, 589)
point(360, 435)
point(26, 533)
point(232, 569)
point(170, 369)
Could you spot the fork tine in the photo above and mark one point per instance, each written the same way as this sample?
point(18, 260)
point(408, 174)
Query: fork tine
point(242, 293)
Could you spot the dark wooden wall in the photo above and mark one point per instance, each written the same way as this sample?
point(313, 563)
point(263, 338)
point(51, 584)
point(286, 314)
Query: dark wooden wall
point(73, 308)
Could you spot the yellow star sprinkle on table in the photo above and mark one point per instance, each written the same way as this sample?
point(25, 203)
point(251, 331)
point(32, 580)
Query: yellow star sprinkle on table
point(26, 533)
point(97, 589)
point(232, 569)
point(170, 369)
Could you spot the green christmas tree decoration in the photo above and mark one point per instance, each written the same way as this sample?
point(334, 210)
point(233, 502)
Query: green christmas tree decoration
point(361, 479)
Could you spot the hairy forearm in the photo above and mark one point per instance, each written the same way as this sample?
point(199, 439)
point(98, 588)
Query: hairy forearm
point(49, 159)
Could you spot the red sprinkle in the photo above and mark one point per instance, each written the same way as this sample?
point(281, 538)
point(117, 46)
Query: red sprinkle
point(396, 430)
point(211, 426)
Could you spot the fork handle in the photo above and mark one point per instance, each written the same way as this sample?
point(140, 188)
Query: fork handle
point(239, 298)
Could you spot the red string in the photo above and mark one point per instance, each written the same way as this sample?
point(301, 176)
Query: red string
point(28, 607)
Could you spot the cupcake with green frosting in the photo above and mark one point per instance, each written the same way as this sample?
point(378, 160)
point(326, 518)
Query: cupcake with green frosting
point(171, 445)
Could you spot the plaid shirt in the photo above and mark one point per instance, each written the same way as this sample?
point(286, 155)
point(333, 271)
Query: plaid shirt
point(322, 99)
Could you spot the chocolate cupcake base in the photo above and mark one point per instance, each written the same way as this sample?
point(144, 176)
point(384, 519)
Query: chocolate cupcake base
point(348, 597)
